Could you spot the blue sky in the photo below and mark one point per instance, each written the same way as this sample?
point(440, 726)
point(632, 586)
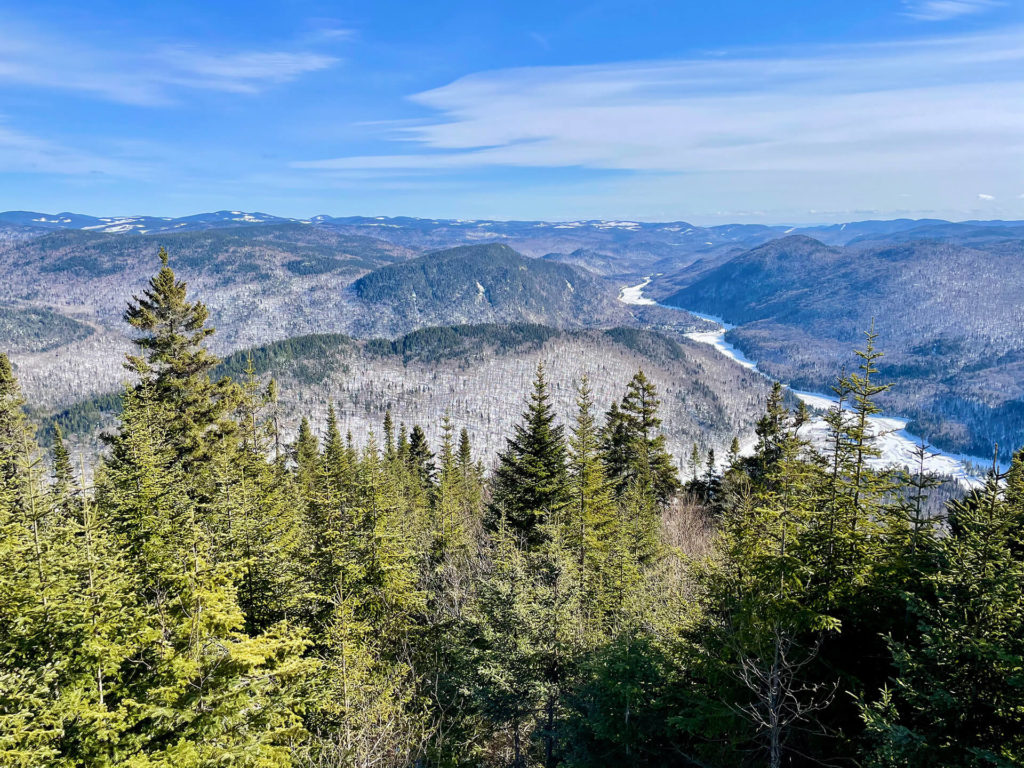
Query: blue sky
point(735, 110)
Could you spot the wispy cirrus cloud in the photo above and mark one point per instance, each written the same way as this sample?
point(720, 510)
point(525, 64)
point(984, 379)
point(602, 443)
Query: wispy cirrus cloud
point(942, 10)
point(921, 104)
point(145, 74)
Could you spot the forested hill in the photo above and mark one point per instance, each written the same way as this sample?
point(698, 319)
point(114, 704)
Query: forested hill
point(948, 317)
point(476, 369)
point(488, 283)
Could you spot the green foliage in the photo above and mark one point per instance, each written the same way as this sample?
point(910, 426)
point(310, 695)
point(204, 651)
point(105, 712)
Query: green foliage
point(222, 598)
point(957, 695)
point(531, 481)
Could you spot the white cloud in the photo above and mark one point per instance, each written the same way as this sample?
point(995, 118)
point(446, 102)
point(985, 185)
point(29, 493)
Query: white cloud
point(983, 196)
point(144, 74)
point(942, 10)
point(945, 103)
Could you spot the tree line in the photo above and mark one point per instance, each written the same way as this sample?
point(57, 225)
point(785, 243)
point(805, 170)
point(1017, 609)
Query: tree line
point(218, 595)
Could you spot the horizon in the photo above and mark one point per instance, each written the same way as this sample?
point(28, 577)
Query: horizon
point(112, 218)
point(737, 113)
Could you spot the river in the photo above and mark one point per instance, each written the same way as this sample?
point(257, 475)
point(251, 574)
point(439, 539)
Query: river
point(897, 446)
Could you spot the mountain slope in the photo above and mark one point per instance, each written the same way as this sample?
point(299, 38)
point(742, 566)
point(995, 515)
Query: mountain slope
point(485, 283)
point(262, 282)
point(948, 318)
point(483, 373)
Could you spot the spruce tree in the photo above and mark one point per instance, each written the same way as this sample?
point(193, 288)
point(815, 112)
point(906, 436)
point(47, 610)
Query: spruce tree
point(509, 687)
point(530, 483)
point(175, 365)
point(420, 459)
point(649, 456)
point(957, 696)
point(589, 518)
point(205, 690)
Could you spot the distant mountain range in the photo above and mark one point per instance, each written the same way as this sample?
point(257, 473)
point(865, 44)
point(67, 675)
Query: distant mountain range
point(946, 296)
point(623, 242)
point(136, 224)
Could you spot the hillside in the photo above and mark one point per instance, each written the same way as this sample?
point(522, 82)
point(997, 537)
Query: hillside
point(29, 329)
point(484, 283)
point(261, 282)
point(482, 373)
point(948, 317)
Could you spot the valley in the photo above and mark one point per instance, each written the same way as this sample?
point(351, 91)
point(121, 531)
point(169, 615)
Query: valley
point(897, 447)
point(942, 296)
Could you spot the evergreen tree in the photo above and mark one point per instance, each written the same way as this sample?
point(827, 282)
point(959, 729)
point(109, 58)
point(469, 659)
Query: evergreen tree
point(264, 523)
point(530, 483)
point(471, 480)
point(204, 690)
point(590, 517)
point(389, 436)
point(175, 365)
point(420, 459)
point(649, 456)
point(957, 697)
point(509, 685)
point(30, 718)
point(733, 458)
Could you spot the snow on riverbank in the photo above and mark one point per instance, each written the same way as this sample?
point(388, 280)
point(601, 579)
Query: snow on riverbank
point(634, 294)
point(897, 446)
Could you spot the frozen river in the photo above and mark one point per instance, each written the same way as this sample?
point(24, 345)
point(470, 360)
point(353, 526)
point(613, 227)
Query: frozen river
point(897, 446)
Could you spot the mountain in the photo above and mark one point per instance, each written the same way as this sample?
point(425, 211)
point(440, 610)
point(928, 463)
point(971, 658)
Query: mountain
point(265, 282)
point(841, 234)
point(137, 224)
point(30, 329)
point(945, 295)
point(271, 282)
point(948, 318)
point(636, 246)
point(604, 264)
point(974, 233)
point(485, 283)
point(631, 247)
point(483, 373)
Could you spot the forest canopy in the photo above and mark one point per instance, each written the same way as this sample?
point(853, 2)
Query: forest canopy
point(218, 593)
